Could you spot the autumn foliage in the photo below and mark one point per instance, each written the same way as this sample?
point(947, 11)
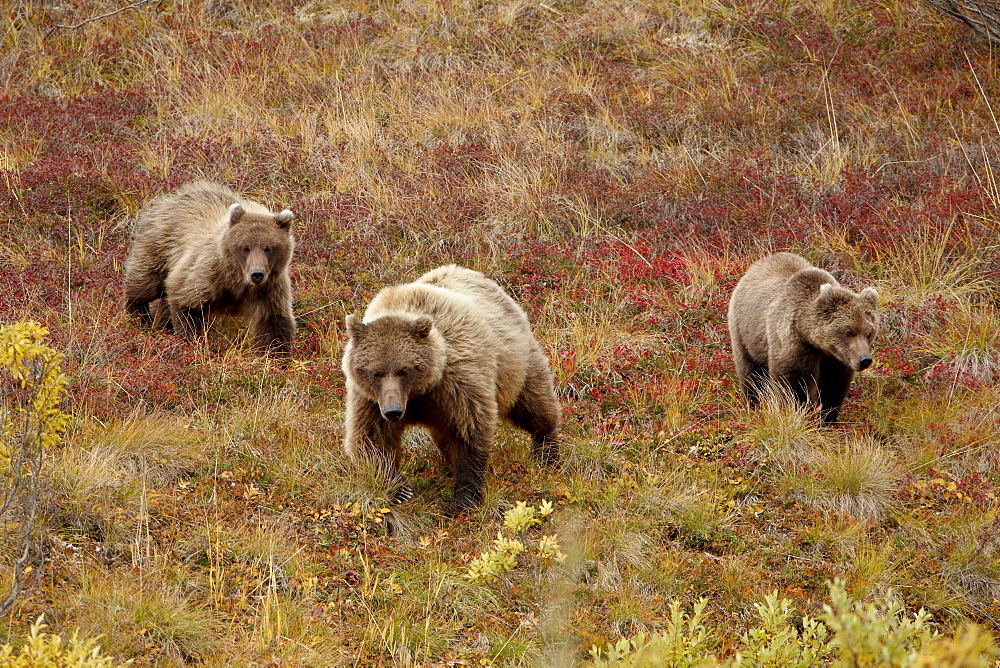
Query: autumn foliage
point(615, 167)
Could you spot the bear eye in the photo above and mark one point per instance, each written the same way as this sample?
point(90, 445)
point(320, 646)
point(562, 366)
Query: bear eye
point(402, 373)
point(850, 333)
point(379, 374)
point(246, 249)
point(267, 249)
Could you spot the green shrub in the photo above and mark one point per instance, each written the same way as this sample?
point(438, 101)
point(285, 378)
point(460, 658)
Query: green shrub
point(31, 421)
point(848, 633)
point(48, 649)
point(685, 644)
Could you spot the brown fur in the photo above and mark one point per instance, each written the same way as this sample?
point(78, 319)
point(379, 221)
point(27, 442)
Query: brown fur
point(454, 353)
point(794, 327)
point(205, 250)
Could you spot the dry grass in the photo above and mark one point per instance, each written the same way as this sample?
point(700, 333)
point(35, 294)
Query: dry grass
point(785, 429)
point(858, 478)
point(149, 616)
point(968, 343)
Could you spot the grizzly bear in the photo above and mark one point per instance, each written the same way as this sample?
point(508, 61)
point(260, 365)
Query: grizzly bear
point(794, 328)
point(454, 353)
point(204, 250)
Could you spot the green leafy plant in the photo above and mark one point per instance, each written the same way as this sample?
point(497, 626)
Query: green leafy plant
point(685, 643)
point(775, 642)
point(847, 633)
point(48, 649)
point(32, 421)
point(503, 557)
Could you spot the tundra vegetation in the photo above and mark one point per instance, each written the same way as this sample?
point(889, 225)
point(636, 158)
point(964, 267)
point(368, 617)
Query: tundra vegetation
point(616, 167)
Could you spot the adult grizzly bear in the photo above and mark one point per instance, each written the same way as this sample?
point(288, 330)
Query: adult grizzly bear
point(205, 250)
point(794, 327)
point(454, 353)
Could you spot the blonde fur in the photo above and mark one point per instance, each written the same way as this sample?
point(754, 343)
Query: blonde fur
point(467, 357)
point(205, 249)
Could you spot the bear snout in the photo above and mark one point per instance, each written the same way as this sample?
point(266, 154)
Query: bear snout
point(864, 362)
point(392, 412)
point(257, 276)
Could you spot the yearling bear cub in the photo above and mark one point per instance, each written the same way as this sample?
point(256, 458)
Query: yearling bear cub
point(794, 327)
point(205, 250)
point(454, 353)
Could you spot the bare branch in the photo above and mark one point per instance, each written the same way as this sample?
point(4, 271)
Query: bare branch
point(134, 5)
point(983, 16)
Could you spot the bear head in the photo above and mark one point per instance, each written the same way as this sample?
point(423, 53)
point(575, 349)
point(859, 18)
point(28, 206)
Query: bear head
point(258, 245)
point(394, 358)
point(844, 324)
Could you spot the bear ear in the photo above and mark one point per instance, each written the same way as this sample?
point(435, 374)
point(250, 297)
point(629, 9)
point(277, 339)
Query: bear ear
point(235, 213)
point(355, 328)
point(422, 326)
point(870, 295)
point(826, 297)
point(284, 219)
point(828, 300)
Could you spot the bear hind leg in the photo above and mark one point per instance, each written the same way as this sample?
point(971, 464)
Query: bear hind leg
point(537, 412)
point(540, 417)
point(753, 376)
point(140, 292)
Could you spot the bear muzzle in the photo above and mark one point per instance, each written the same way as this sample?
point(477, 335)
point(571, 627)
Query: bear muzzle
point(257, 275)
point(392, 393)
point(392, 412)
point(864, 362)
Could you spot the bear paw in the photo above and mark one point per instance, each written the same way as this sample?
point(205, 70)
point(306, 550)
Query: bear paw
point(403, 494)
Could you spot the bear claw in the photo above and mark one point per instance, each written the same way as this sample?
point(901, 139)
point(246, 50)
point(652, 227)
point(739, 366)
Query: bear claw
point(403, 494)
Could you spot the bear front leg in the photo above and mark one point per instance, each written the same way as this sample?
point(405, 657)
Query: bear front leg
point(466, 448)
point(461, 416)
point(834, 382)
point(797, 379)
point(274, 333)
point(273, 322)
point(470, 471)
point(187, 322)
point(371, 438)
point(471, 441)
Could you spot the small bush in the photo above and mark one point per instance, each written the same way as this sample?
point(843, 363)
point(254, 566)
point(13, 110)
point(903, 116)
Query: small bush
point(848, 633)
point(685, 644)
point(503, 556)
point(48, 649)
point(31, 422)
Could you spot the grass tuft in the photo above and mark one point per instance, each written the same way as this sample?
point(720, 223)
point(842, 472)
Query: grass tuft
point(786, 430)
point(858, 477)
point(144, 616)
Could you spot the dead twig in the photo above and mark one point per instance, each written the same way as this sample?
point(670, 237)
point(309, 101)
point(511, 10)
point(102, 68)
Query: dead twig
point(983, 16)
point(134, 5)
